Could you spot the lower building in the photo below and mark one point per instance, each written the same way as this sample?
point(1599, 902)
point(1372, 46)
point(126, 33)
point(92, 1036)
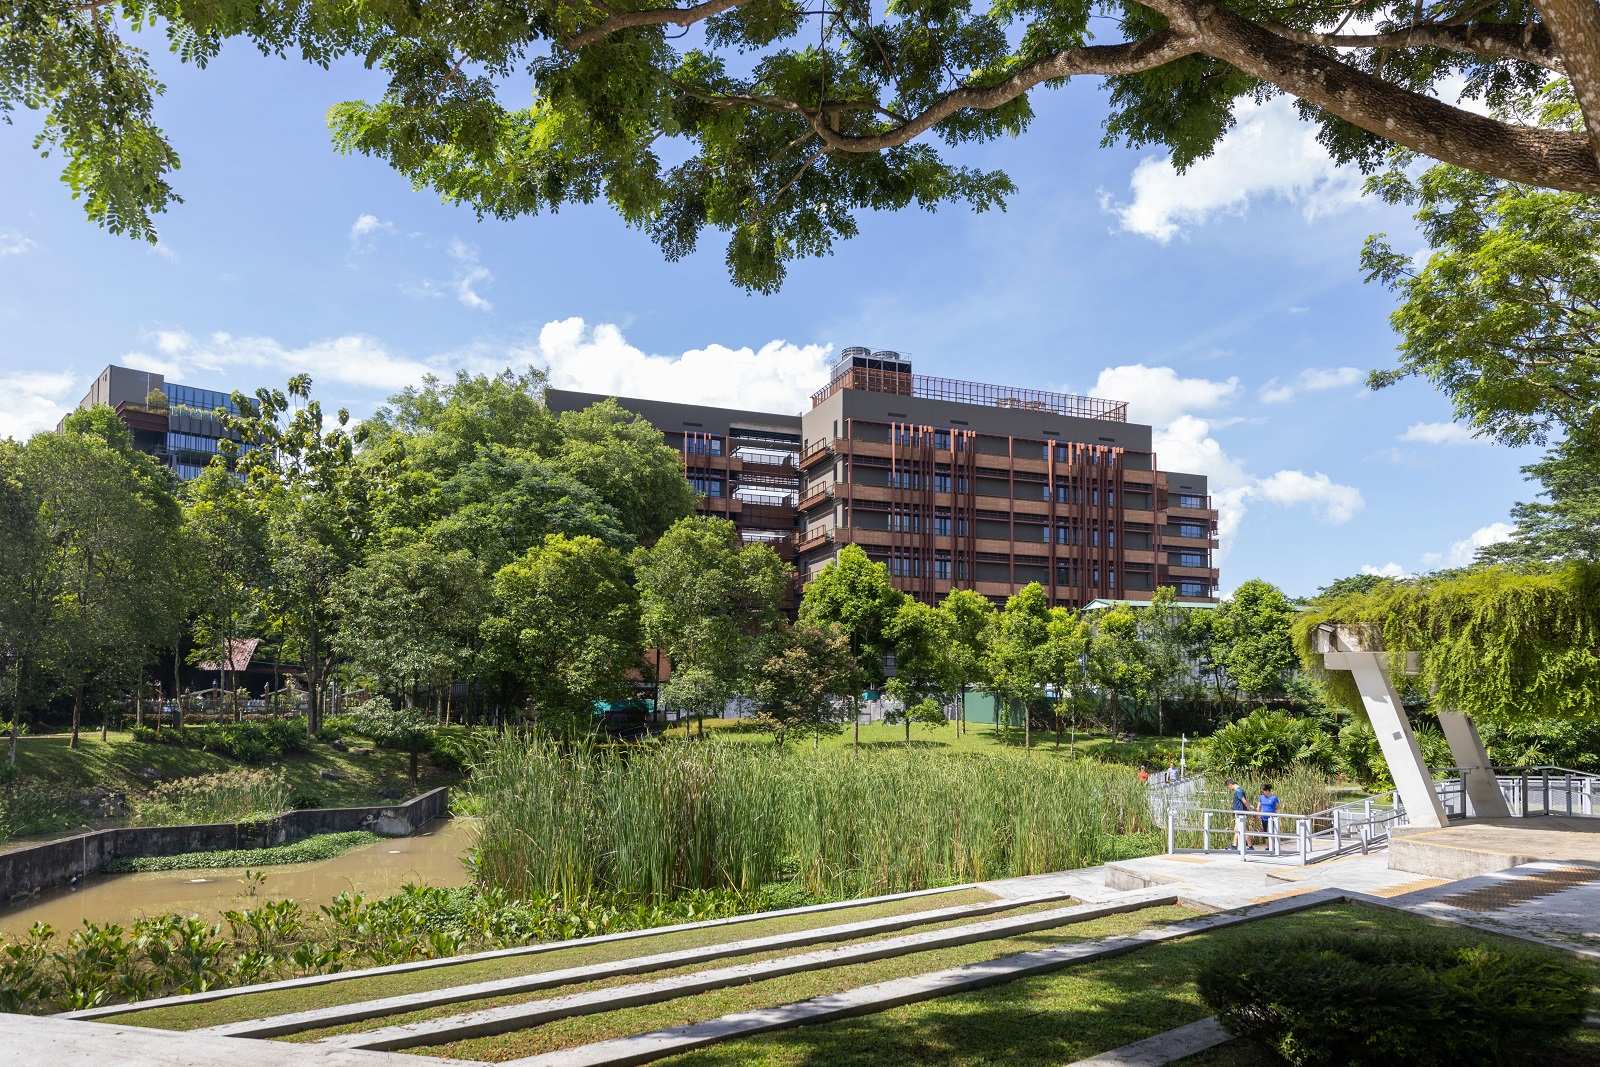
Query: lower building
point(175, 423)
point(951, 484)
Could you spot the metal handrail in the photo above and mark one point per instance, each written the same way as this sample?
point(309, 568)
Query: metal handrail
point(1334, 831)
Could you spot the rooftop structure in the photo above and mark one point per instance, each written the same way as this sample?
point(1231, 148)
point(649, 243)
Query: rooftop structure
point(175, 423)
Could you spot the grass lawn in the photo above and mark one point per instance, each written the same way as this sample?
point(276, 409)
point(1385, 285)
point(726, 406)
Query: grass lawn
point(566, 1033)
point(280, 1002)
point(1058, 1018)
point(979, 737)
point(118, 762)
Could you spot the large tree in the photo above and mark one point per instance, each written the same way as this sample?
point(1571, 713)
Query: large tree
point(854, 593)
point(1251, 629)
point(1019, 664)
point(1565, 525)
point(713, 604)
point(25, 593)
point(807, 682)
point(784, 121)
point(566, 621)
point(226, 542)
point(1504, 313)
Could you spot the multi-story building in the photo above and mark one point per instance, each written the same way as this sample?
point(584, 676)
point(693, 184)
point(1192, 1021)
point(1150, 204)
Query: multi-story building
point(175, 423)
point(951, 484)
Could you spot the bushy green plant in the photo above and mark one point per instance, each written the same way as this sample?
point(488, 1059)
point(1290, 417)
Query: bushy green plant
point(31, 806)
point(1363, 1000)
point(317, 847)
point(409, 730)
point(252, 741)
point(45, 970)
point(1268, 741)
point(235, 796)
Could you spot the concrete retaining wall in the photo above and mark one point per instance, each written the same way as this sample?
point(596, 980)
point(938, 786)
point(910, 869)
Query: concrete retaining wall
point(35, 867)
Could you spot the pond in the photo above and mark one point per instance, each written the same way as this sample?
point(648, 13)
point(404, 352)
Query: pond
point(430, 857)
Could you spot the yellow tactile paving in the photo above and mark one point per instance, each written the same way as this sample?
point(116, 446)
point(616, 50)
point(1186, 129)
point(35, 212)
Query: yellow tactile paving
point(1285, 894)
point(1514, 891)
point(1409, 887)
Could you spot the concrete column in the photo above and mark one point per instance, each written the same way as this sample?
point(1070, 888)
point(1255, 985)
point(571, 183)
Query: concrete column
point(1399, 744)
point(1466, 748)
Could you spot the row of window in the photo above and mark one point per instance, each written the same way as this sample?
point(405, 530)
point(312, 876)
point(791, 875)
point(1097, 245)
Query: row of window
point(189, 442)
point(940, 439)
point(206, 400)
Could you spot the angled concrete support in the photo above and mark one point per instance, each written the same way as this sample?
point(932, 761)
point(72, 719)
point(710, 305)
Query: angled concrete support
point(1342, 651)
point(1466, 748)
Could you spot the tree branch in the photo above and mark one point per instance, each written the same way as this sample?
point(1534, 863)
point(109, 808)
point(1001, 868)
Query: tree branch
point(1528, 44)
point(661, 16)
point(1551, 158)
point(1575, 28)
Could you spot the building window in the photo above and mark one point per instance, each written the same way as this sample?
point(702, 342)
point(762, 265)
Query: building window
point(1193, 589)
point(1094, 497)
point(941, 439)
point(707, 486)
point(1111, 577)
point(1094, 539)
point(941, 482)
point(702, 445)
point(1189, 530)
point(1191, 559)
point(1191, 500)
point(941, 565)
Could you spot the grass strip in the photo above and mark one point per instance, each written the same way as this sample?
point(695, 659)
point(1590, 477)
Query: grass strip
point(284, 1001)
point(615, 981)
point(1062, 1017)
point(787, 989)
point(316, 847)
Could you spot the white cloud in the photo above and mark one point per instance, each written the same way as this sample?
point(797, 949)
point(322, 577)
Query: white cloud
point(354, 359)
point(1156, 395)
point(777, 377)
point(468, 274)
point(1271, 152)
point(1184, 441)
point(1465, 550)
point(1310, 380)
point(13, 243)
point(1439, 433)
point(1329, 501)
point(365, 230)
point(465, 275)
point(1388, 570)
point(34, 401)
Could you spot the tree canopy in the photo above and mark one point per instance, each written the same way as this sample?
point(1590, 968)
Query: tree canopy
point(778, 123)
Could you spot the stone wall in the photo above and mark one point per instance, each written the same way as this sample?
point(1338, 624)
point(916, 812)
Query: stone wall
point(34, 867)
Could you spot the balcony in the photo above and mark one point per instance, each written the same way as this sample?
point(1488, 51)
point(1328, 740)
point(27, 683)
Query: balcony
point(818, 452)
point(814, 497)
point(807, 542)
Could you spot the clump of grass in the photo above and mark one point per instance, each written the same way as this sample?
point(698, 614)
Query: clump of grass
point(317, 847)
point(28, 806)
point(234, 796)
point(652, 823)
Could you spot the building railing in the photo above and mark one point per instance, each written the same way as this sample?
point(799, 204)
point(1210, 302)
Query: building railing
point(1528, 791)
point(816, 496)
point(994, 396)
point(807, 543)
point(817, 448)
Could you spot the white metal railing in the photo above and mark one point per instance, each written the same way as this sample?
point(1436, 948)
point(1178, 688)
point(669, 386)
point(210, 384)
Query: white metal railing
point(1528, 791)
point(1355, 825)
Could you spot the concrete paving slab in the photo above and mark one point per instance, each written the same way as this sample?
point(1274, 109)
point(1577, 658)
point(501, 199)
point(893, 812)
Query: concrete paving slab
point(1164, 1048)
point(522, 1016)
point(341, 1014)
point(1554, 903)
point(1482, 846)
point(641, 1048)
point(52, 1041)
point(307, 981)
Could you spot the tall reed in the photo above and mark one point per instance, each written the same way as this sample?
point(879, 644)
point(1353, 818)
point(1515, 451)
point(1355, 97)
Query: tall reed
point(655, 822)
point(233, 796)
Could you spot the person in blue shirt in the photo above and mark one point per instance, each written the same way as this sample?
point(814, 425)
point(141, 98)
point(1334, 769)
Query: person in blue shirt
point(1241, 805)
point(1268, 806)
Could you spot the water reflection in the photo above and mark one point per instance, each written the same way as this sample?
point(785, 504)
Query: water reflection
point(431, 857)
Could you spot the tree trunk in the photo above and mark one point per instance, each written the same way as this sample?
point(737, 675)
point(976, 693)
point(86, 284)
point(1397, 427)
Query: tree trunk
point(855, 717)
point(1027, 727)
point(77, 709)
point(413, 755)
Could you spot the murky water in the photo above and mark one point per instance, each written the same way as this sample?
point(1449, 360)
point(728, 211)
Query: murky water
point(431, 857)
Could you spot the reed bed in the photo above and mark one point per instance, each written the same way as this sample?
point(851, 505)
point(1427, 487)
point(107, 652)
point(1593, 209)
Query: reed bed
point(233, 796)
point(655, 822)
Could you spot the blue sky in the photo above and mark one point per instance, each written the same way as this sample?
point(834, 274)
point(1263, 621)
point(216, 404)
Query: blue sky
point(1225, 304)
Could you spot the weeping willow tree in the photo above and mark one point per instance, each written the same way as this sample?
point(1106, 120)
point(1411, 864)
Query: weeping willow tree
point(1497, 644)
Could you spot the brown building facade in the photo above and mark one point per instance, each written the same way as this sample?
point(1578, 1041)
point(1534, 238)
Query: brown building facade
point(951, 484)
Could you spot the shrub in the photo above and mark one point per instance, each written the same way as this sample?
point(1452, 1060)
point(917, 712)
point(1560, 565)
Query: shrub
point(1362, 999)
point(317, 847)
point(236, 796)
point(252, 741)
point(1269, 742)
